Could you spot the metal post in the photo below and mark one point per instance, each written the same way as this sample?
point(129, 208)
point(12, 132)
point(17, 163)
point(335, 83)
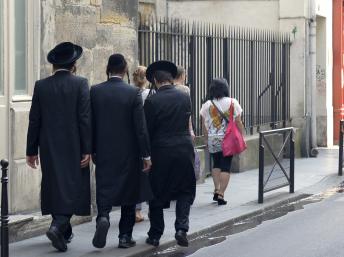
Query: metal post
point(273, 86)
point(292, 161)
point(340, 166)
point(4, 210)
point(252, 87)
point(261, 170)
point(209, 60)
point(284, 85)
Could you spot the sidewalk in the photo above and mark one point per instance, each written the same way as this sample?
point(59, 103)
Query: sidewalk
point(311, 176)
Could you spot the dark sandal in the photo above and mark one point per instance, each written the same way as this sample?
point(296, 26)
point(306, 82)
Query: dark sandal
point(216, 195)
point(220, 200)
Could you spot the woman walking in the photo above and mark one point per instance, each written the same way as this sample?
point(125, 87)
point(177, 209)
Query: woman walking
point(214, 127)
point(140, 81)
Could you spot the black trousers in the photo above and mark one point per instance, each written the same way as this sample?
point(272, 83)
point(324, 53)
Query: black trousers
point(62, 222)
point(156, 214)
point(127, 221)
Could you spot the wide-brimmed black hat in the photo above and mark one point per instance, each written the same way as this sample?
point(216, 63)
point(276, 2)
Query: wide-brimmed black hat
point(64, 53)
point(116, 60)
point(163, 66)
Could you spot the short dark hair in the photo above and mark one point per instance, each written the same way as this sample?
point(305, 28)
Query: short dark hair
point(163, 76)
point(180, 72)
point(67, 66)
point(218, 88)
point(116, 64)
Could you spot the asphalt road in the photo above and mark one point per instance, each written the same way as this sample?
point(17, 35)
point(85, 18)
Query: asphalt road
point(315, 231)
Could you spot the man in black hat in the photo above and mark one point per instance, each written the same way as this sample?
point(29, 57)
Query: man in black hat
point(60, 133)
point(172, 176)
point(121, 151)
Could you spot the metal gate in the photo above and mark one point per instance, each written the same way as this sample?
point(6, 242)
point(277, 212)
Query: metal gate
point(255, 63)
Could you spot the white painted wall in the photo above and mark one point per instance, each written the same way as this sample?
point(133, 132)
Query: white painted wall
point(324, 9)
point(258, 14)
point(292, 15)
point(321, 85)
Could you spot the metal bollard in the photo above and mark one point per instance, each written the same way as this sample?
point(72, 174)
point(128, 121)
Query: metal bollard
point(261, 170)
point(340, 159)
point(4, 210)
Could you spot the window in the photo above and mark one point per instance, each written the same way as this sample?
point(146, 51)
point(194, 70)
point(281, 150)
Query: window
point(20, 19)
point(26, 47)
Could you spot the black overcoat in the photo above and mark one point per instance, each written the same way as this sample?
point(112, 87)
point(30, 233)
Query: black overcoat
point(167, 114)
point(60, 129)
point(120, 142)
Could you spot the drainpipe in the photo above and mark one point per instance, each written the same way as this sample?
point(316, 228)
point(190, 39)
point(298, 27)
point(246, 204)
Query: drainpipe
point(312, 81)
point(305, 146)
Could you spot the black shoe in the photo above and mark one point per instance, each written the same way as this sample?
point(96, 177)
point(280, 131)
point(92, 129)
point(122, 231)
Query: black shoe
point(181, 238)
point(68, 234)
point(152, 241)
point(57, 239)
point(126, 241)
point(99, 239)
point(69, 238)
point(221, 201)
point(216, 196)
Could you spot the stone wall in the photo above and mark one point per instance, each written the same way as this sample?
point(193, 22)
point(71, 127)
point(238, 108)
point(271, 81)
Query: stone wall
point(101, 27)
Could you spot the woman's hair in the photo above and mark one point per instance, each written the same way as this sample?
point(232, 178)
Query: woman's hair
point(163, 76)
point(218, 88)
point(180, 72)
point(139, 77)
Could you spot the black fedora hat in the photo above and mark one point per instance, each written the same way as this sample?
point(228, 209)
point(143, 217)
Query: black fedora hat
point(64, 53)
point(163, 66)
point(117, 60)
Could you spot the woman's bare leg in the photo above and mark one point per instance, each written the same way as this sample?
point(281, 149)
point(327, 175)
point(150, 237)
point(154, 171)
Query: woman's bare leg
point(216, 174)
point(224, 181)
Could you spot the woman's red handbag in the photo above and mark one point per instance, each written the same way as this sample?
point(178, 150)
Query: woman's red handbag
point(233, 142)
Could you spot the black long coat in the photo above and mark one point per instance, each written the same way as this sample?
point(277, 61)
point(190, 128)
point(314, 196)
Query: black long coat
point(120, 142)
point(60, 129)
point(167, 114)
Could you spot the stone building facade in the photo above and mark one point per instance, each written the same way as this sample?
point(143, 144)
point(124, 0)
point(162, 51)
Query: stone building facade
point(29, 29)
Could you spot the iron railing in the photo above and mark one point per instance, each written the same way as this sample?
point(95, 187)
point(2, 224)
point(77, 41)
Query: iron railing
point(255, 63)
point(281, 172)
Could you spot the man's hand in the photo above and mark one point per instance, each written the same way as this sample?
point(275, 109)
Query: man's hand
point(147, 164)
point(85, 160)
point(193, 136)
point(32, 161)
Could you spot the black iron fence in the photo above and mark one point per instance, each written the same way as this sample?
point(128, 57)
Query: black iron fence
point(255, 63)
point(282, 159)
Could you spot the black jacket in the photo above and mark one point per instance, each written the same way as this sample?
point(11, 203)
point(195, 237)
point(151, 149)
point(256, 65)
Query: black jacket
point(120, 142)
point(60, 130)
point(167, 114)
